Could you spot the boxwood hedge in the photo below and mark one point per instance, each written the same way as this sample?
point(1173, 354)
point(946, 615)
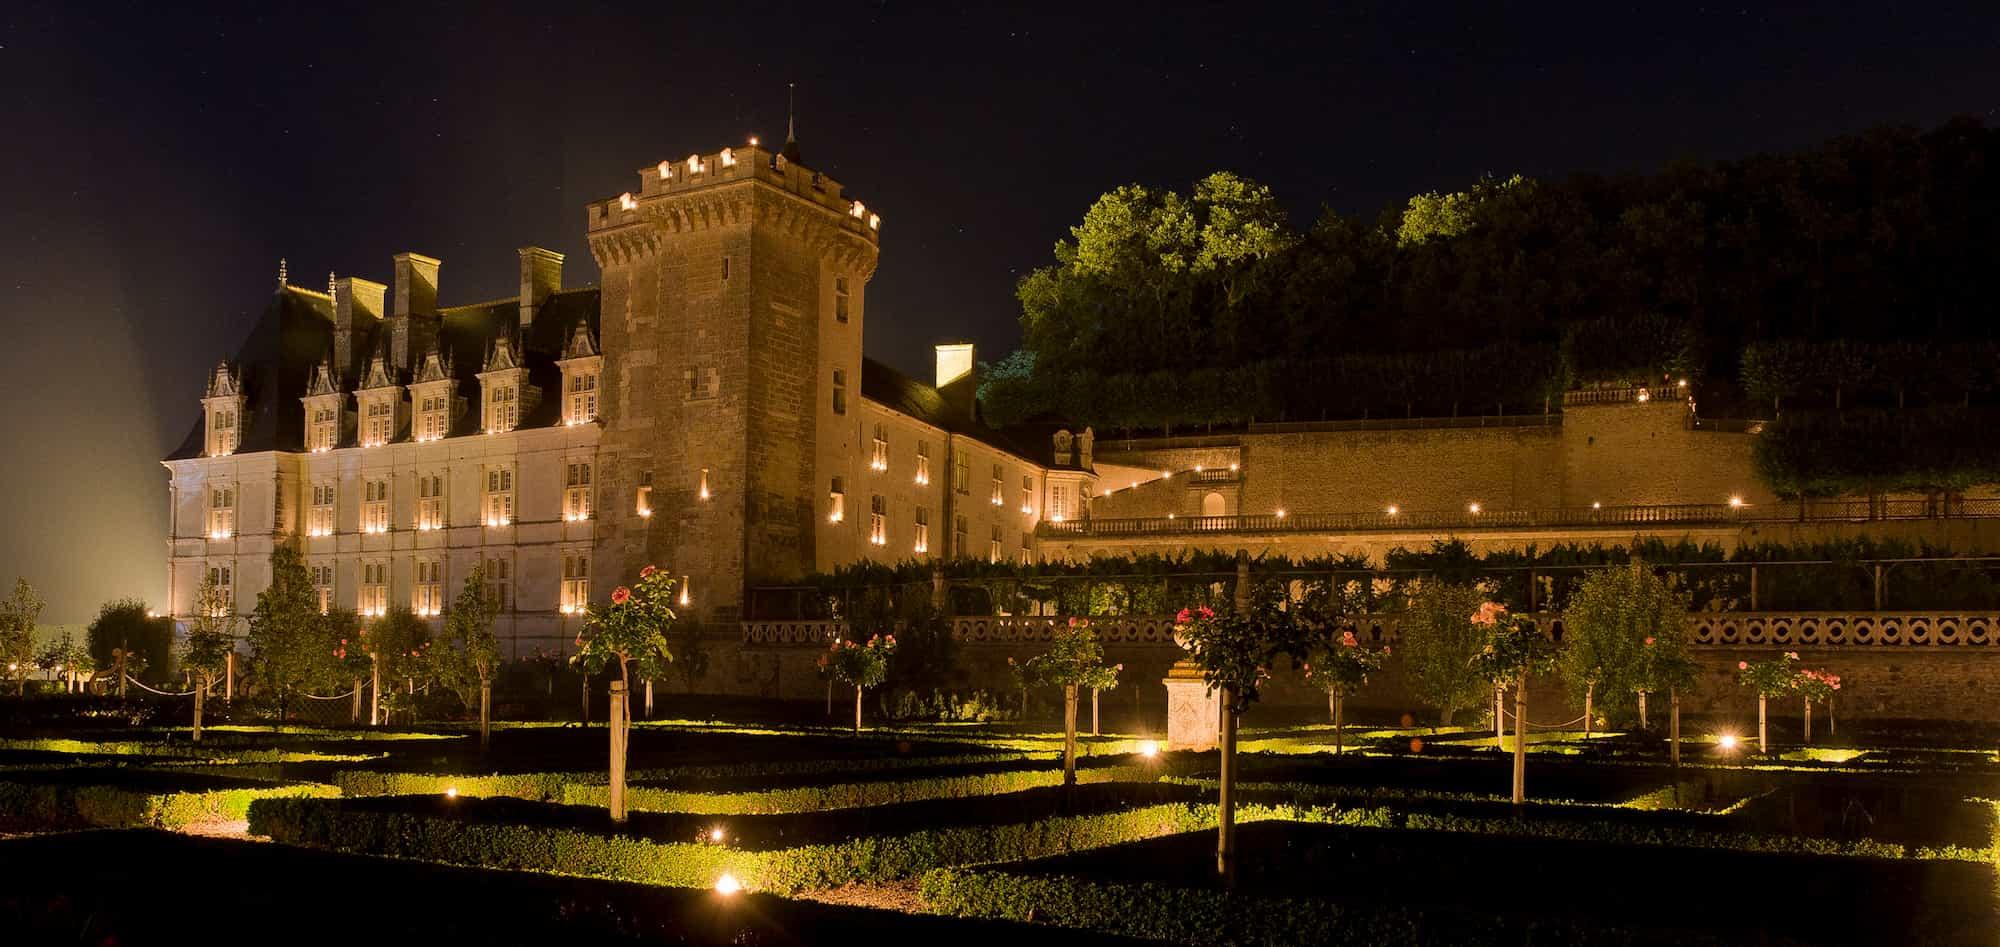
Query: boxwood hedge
point(847, 795)
point(549, 786)
point(68, 803)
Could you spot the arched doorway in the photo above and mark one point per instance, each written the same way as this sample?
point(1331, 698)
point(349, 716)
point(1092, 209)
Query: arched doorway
point(1213, 505)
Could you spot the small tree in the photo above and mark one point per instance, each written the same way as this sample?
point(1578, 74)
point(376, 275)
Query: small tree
point(630, 631)
point(1774, 678)
point(859, 666)
point(1075, 659)
point(1815, 686)
point(1340, 666)
point(1235, 651)
point(126, 626)
point(1613, 617)
point(1515, 650)
point(398, 644)
point(211, 638)
point(18, 615)
point(287, 633)
point(1439, 643)
point(1665, 665)
point(471, 655)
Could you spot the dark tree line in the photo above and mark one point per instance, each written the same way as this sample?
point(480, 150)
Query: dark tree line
point(1492, 298)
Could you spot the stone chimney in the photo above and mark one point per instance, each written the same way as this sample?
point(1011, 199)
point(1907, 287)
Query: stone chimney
point(541, 276)
point(357, 306)
point(958, 377)
point(413, 323)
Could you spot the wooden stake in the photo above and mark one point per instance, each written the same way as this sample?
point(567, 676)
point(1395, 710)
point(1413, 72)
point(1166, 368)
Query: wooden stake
point(617, 751)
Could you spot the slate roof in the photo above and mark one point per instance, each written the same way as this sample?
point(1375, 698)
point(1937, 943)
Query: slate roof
point(899, 392)
point(296, 331)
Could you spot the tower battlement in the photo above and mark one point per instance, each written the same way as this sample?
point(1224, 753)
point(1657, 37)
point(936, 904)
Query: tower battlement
point(699, 174)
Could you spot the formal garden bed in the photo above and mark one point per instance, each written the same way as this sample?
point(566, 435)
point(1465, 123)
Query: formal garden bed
point(1310, 883)
point(120, 797)
point(813, 792)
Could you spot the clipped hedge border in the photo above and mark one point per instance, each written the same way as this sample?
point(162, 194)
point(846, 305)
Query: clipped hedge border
point(550, 786)
point(184, 751)
point(329, 824)
point(850, 795)
point(57, 804)
point(1202, 916)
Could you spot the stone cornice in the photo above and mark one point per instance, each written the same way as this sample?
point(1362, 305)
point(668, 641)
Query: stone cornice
point(823, 230)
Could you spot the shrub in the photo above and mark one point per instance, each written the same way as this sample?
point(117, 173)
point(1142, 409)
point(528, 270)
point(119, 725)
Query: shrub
point(849, 795)
point(548, 787)
point(68, 804)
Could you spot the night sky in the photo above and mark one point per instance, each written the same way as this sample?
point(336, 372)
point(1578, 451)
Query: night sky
point(157, 164)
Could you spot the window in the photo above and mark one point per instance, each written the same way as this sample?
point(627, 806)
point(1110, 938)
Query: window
point(993, 548)
point(374, 588)
point(839, 391)
point(725, 267)
point(576, 492)
point(576, 583)
point(223, 435)
point(502, 410)
point(1027, 547)
point(999, 484)
point(499, 585)
point(428, 597)
point(224, 580)
point(380, 423)
point(499, 500)
point(840, 299)
point(375, 506)
point(961, 472)
point(642, 504)
point(431, 417)
point(221, 512)
point(879, 457)
point(1028, 493)
point(322, 580)
point(582, 397)
point(836, 501)
point(878, 519)
point(923, 463)
point(319, 515)
point(923, 544)
point(430, 501)
point(1058, 502)
point(325, 428)
point(958, 534)
point(703, 382)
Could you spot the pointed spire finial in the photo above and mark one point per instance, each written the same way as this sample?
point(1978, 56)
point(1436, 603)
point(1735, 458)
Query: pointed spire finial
point(330, 282)
point(791, 152)
point(282, 283)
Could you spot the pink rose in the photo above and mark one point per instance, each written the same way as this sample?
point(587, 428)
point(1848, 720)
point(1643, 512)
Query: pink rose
point(1207, 612)
point(1182, 618)
point(1649, 641)
point(1791, 655)
point(621, 595)
point(1743, 665)
point(1347, 638)
point(648, 571)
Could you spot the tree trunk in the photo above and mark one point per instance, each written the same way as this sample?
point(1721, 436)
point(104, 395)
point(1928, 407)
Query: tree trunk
point(229, 675)
point(1762, 747)
point(586, 700)
point(354, 704)
point(1069, 735)
point(1642, 710)
point(1830, 729)
point(197, 714)
point(1339, 736)
point(1674, 732)
point(375, 691)
point(857, 710)
point(1521, 741)
point(649, 698)
point(1589, 696)
point(485, 714)
point(1225, 842)
point(1499, 717)
point(829, 697)
point(1093, 713)
point(617, 751)
point(1808, 734)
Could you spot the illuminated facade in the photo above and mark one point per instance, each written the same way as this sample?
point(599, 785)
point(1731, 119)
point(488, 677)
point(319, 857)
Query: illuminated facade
point(706, 408)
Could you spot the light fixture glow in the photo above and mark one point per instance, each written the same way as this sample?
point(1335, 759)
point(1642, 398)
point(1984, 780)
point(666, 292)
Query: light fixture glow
point(1596, 505)
point(626, 201)
point(1149, 749)
point(1735, 503)
point(1472, 508)
point(1393, 509)
point(715, 834)
point(1232, 468)
point(727, 884)
point(1727, 741)
point(451, 792)
point(1281, 512)
point(686, 599)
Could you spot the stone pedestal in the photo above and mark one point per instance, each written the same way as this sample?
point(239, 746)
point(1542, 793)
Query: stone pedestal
point(1193, 710)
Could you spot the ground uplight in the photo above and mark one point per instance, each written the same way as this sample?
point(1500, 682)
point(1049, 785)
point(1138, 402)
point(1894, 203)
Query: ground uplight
point(727, 884)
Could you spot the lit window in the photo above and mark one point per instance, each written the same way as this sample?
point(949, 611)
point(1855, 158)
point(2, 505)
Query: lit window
point(576, 492)
point(840, 299)
point(224, 580)
point(1028, 494)
point(582, 398)
point(999, 485)
point(839, 391)
point(502, 409)
point(576, 583)
point(322, 580)
point(961, 473)
point(993, 548)
point(643, 503)
point(431, 417)
point(923, 463)
point(325, 428)
point(878, 519)
point(221, 512)
point(1027, 547)
point(879, 458)
point(428, 597)
point(374, 588)
point(958, 535)
point(375, 506)
point(499, 499)
point(430, 501)
point(923, 544)
point(319, 516)
point(836, 502)
point(223, 433)
point(1058, 502)
point(499, 583)
point(381, 423)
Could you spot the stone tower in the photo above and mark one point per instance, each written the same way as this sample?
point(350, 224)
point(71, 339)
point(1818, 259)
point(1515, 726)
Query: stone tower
point(731, 330)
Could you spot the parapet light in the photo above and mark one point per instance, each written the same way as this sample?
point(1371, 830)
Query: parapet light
point(874, 221)
point(1596, 505)
point(1736, 503)
point(1392, 510)
point(728, 158)
point(627, 202)
point(666, 170)
point(1472, 508)
point(753, 141)
point(1281, 512)
point(1232, 468)
point(857, 210)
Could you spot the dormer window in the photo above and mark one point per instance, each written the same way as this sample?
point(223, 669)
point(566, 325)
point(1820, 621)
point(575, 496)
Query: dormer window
point(502, 409)
point(223, 412)
point(222, 511)
point(433, 417)
point(582, 398)
point(324, 429)
point(380, 423)
point(222, 432)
